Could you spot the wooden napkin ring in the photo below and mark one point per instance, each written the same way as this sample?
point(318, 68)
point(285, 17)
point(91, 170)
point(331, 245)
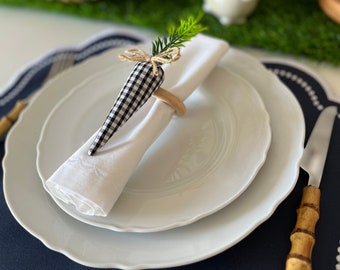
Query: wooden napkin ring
point(171, 100)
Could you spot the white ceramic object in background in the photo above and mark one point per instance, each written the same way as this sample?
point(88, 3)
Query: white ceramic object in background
point(230, 11)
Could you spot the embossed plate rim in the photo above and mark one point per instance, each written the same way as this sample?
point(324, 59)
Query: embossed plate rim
point(91, 246)
point(235, 167)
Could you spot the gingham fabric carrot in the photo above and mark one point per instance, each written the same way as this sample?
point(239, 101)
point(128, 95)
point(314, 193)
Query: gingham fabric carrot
point(146, 77)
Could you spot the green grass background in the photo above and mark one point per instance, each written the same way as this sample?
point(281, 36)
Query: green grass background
point(295, 27)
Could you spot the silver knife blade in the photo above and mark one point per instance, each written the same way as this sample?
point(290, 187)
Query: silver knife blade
point(315, 153)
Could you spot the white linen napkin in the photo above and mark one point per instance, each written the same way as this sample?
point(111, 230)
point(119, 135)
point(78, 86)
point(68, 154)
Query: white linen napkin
point(93, 183)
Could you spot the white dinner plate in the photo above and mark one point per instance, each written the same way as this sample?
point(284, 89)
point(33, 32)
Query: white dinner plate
point(37, 212)
point(214, 153)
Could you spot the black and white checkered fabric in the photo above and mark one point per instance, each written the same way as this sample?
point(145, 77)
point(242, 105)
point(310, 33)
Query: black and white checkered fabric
point(138, 88)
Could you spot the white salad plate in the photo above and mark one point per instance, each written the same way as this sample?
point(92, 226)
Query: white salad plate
point(36, 211)
point(199, 164)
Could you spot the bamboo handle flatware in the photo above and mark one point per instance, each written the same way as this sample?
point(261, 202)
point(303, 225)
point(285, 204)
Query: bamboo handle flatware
point(7, 121)
point(313, 160)
point(61, 62)
point(303, 236)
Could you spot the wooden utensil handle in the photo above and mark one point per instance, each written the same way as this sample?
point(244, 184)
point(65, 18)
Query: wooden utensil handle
point(7, 121)
point(302, 237)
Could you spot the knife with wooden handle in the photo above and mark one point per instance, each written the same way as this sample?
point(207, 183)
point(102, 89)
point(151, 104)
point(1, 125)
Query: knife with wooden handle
point(313, 160)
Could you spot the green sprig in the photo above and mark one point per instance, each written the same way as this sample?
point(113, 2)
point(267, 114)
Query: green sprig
point(178, 35)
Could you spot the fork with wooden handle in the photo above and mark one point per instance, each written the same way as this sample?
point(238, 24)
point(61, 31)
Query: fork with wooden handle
point(62, 62)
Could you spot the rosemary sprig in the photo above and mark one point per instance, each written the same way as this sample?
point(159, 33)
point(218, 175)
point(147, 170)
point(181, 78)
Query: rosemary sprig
point(178, 35)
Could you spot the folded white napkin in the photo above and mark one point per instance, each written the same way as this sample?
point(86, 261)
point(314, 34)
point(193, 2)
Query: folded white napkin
point(93, 183)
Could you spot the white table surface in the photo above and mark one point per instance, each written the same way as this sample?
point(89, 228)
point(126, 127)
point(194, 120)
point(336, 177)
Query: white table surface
point(28, 34)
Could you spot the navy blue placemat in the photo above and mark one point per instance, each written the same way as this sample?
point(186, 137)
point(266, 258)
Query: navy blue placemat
point(32, 78)
point(264, 249)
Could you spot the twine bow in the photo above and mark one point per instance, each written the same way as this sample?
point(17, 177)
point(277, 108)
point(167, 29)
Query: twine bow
point(166, 57)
